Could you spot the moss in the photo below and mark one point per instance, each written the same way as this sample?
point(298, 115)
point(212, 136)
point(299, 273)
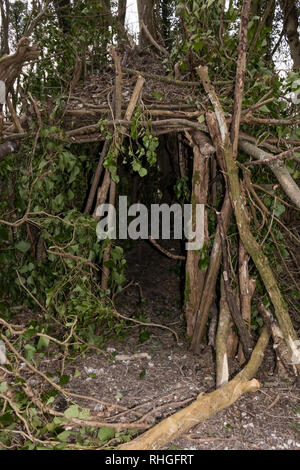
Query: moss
point(197, 177)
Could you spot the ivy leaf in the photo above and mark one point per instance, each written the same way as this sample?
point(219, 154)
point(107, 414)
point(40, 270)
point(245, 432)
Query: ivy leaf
point(84, 414)
point(143, 172)
point(63, 436)
point(279, 209)
point(43, 343)
point(29, 352)
point(106, 433)
point(6, 419)
point(72, 412)
point(23, 246)
point(3, 387)
point(264, 109)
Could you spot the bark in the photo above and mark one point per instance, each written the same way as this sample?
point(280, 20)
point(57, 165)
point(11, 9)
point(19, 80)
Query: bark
point(222, 369)
point(146, 16)
point(96, 178)
point(239, 78)
point(251, 245)
point(4, 7)
point(211, 279)
point(194, 276)
point(106, 254)
point(260, 260)
point(102, 192)
point(290, 26)
point(117, 139)
point(285, 361)
point(215, 255)
point(11, 65)
point(122, 4)
point(63, 9)
point(244, 335)
point(247, 287)
point(232, 341)
point(205, 406)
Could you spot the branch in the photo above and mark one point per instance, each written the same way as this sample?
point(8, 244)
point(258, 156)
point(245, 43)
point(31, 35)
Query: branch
point(287, 154)
point(37, 19)
point(161, 78)
point(164, 251)
point(244, 335)
point(11, 65)
point(155, 43)
point(250, 243)
point(240, 76)
point(286, 181)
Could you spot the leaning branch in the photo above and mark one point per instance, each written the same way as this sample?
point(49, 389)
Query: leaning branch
point(250, 243)
point(286, 181)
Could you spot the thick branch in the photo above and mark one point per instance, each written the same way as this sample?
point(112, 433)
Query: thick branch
point(286, 181)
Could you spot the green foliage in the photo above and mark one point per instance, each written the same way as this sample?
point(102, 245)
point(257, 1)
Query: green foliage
point(145, 145)
point(182, 190)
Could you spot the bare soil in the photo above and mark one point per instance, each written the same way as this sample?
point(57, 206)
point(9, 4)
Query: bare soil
point(149, 376)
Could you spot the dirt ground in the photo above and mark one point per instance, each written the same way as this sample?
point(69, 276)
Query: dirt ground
point(149, 375)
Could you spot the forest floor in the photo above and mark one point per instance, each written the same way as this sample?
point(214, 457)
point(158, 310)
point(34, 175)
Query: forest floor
point(148, 375)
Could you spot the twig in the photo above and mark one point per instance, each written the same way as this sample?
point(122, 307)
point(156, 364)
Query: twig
point(161, 78)
point(240, 76)
point(155, 43)
point(63, 254)
point(53, 384)
point(138, 322)
point(30, 294)
point(287, 154)
point(164, 251)
point(273, 403)
point(14, 116)
point(36, 20)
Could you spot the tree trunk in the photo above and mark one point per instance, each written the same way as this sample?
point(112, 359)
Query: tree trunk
point(146, 16)
point(194, 275)
point(4, 6)
point(290, 27)
point(63, 10)
point(122, 4)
